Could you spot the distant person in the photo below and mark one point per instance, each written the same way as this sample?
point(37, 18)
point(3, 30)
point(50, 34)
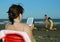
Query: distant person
point(15, 14)
point(46, 21)
point(51, 24)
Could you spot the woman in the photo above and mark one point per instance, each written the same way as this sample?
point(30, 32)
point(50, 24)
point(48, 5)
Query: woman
point(51, 24)
point(15, 13)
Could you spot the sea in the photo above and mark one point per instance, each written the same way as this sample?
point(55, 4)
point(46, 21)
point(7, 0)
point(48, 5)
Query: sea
point(37, 22)
point(25, 20)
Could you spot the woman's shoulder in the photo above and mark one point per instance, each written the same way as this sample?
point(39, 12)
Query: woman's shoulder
point(7, 26)
point(26, 27)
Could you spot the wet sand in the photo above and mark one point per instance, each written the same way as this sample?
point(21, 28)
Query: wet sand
point(42, 35)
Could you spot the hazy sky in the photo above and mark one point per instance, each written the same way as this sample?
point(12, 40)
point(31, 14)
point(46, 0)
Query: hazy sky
point(33, 8)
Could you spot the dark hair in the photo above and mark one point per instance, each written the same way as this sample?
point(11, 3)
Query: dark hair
point(14, 12)
point(45, 15)
point(49, 18)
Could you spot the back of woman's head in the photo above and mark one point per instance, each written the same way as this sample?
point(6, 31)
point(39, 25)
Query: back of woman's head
point(14, 11)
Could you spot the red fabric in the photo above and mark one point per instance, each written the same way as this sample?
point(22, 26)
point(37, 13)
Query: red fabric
point(13, 38)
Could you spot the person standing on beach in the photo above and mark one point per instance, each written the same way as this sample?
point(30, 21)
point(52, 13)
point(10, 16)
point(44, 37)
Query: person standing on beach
point(46, 21)
point(15, 13)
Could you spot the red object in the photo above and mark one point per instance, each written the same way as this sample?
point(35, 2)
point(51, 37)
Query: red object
point(14, 38)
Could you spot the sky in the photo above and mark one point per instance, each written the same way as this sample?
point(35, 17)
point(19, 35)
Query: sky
point(32, 8)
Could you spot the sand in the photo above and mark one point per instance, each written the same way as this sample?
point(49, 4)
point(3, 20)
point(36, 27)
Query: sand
point(42, 35)
point(47, 36)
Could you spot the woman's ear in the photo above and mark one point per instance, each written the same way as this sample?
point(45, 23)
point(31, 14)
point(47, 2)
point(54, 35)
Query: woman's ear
point(20, 16)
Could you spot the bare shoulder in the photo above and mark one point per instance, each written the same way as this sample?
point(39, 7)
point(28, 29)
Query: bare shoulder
point(26, 27)
point(7, 26)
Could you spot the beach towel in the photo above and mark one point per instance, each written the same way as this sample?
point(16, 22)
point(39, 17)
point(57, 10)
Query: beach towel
point(14, 36)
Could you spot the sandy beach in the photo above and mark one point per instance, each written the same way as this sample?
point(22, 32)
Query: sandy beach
point(42, 35)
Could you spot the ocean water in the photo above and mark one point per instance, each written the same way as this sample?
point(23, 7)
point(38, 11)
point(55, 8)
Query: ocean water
point(39, 23)
point(25, 20)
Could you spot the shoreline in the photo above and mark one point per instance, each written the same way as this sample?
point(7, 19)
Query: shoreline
point(37, 25)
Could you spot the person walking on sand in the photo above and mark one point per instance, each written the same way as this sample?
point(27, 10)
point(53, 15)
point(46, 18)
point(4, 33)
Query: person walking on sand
point(46, 21)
